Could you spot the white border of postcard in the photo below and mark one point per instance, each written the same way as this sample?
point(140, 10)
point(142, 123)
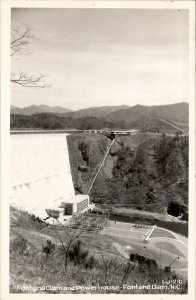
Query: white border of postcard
point(6, 6)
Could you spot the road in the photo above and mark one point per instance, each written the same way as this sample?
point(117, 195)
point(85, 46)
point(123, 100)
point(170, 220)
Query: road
point(174, 126)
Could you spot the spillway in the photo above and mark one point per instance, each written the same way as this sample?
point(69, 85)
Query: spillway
point(40, 174)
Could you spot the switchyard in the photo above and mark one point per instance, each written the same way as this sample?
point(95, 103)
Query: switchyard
point(128, 230)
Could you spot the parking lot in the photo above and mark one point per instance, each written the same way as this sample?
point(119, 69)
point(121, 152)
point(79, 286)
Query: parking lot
point(127, 230)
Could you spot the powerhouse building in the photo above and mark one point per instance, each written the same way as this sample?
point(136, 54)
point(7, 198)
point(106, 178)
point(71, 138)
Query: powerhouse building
point(75, 205)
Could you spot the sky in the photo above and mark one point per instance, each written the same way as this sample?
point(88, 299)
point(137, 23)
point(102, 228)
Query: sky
point(97, 57)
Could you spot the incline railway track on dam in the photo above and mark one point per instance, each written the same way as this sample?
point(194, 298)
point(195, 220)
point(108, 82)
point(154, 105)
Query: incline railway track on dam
point(101, 165)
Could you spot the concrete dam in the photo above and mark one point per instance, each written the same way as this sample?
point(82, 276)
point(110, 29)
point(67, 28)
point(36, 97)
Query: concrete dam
point(40, 174)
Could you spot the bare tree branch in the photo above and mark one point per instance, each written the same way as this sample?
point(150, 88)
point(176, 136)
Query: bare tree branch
point(126, 271)
point(29, 80)
point(70, 236)
point(21, 37)
point(107, 263)
point(73, 237)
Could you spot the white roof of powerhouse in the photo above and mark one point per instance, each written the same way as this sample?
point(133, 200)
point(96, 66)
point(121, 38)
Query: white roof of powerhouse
point(75, 199)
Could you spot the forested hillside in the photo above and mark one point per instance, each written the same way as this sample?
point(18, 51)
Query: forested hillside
point(53, 121)
point(140, 171)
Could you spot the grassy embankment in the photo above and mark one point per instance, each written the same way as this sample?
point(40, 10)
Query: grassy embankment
point(32, 264)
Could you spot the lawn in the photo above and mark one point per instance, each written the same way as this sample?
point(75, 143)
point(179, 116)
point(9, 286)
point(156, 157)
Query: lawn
point(170, 248)
point(159, 232)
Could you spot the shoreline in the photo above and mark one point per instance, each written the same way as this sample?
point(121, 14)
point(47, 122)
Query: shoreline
point(130, 212)
point(166, 223)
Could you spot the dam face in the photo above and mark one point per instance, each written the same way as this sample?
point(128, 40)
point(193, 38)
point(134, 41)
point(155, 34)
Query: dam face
point(40, 174)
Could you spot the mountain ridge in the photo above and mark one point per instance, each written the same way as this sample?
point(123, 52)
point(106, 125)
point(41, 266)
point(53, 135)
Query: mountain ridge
point(177, 111)
point(121, 117)
point(103, 111)
point(35, 109)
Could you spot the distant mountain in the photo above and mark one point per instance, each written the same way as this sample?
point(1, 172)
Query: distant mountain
point(173, 112)
point(113, 117)
point(37, 109)
point(96, 112)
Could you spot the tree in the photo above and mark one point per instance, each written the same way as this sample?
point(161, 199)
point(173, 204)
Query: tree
point(48, 248)
point(70, 236)
point(20, 40)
